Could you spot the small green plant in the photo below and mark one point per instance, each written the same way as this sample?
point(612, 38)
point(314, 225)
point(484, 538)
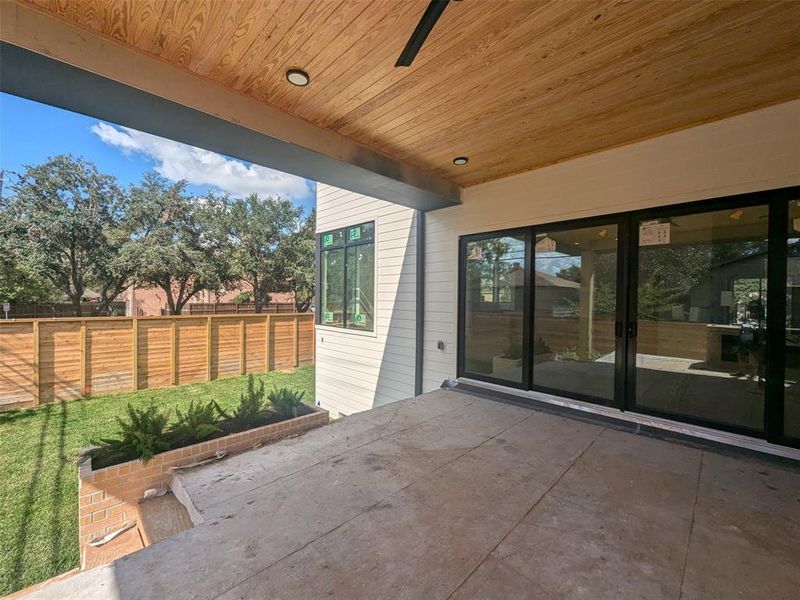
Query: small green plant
point(514, 348)
point(285, 401)
point(141, 435)
point(251, 404)
point(571, 353)
point(198, 422)
point(541, 347)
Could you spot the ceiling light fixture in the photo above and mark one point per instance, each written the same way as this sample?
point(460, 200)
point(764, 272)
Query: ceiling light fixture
point(460, 160)
point(297, 77)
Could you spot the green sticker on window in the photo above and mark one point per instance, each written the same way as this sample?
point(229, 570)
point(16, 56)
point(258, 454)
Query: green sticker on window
point(358, 319)
point(354, 234)
point(327, 317)
point(327, 239)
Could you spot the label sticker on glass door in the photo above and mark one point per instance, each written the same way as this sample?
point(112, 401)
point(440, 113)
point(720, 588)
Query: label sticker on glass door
point(653, 234)
point(546, 244)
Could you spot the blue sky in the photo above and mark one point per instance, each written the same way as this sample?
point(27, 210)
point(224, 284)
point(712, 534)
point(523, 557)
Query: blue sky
point(30, 132)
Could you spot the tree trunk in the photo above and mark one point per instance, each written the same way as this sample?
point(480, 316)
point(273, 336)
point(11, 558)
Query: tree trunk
point(258, 299)
point(76, 305)
point(167, 287)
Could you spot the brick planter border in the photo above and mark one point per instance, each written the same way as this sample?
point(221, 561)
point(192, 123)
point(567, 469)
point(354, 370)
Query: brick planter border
point(108, 497)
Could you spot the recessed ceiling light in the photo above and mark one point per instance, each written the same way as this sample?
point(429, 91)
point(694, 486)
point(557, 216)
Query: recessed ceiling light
point(460, 160)
point(297, 77)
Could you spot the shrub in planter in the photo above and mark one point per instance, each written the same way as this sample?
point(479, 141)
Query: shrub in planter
point(145, 433)
point(142, 435)
point(198, 422)
point(251, 404)
point(285, 401)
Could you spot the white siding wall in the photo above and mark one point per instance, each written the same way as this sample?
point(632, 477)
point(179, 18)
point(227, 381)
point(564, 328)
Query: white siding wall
point(355, 370)
point(755, 151)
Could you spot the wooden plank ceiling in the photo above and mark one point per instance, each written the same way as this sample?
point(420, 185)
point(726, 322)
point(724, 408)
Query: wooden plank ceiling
point(513, 85)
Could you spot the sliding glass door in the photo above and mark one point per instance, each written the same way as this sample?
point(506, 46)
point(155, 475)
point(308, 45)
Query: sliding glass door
point(791, 341)
point(687, 312)
point(701, 298)
point(494, 297)
point(574, 347)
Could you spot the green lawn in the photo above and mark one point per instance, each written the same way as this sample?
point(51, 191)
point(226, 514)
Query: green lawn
point(39, 490)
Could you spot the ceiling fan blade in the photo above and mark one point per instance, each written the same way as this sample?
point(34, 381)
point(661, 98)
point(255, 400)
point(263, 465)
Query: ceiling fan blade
point(424, 27)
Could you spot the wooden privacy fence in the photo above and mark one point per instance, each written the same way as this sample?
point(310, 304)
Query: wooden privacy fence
point(62, 359)
point(227, 308)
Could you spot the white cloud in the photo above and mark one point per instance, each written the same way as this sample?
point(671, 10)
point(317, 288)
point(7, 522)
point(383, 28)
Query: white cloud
point(177, 161)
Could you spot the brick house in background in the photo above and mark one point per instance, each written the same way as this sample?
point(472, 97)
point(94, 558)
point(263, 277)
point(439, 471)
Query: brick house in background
point(149, 302)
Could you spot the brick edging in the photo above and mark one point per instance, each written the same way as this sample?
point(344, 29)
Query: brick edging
point(108, 497)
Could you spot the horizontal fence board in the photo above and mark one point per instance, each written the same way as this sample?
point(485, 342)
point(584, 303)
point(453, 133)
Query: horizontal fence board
point(190, 350)
point(16, 357)
point(93, 355)
point(107, 343)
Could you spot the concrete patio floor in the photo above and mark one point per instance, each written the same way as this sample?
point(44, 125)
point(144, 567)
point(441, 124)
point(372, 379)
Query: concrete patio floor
point(449, 495)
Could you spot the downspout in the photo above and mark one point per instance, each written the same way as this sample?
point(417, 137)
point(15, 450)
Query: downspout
point(420, 302)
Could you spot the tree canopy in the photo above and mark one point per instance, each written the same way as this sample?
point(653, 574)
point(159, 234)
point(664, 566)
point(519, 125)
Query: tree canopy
point(66, 229)
point(65, 222)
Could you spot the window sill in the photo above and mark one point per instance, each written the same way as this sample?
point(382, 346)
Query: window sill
point(329, 329)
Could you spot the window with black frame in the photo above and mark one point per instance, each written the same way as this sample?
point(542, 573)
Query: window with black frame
point(347, 277)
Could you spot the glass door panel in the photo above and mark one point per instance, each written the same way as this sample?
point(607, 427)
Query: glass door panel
point(494, 307)
point(791, 407)
point(574, 311)
point(700, 329)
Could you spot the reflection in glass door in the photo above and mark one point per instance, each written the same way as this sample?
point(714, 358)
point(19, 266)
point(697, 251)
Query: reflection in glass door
point(791, 414)
point(574, 311)
point(700, 331)
point(494, 306)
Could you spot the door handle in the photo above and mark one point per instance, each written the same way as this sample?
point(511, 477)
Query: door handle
point(618, 329)
point(633, 328)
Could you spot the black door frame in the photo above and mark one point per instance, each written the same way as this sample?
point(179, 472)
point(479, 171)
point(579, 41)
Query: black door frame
point(527, 310)
point(662, 212)
point(626, 324)
point(620, 220)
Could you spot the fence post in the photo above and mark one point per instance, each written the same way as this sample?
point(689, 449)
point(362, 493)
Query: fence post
point(268, 325)
point(83, 358)
point(36, 377)
point(208, 347)
point(173, 354)
point(135, 354)
point(242, 359)
point(313, 343)
point(296, 341)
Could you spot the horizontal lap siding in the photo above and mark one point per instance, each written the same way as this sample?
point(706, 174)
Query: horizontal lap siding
point(357, 371)
point(750, 152)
